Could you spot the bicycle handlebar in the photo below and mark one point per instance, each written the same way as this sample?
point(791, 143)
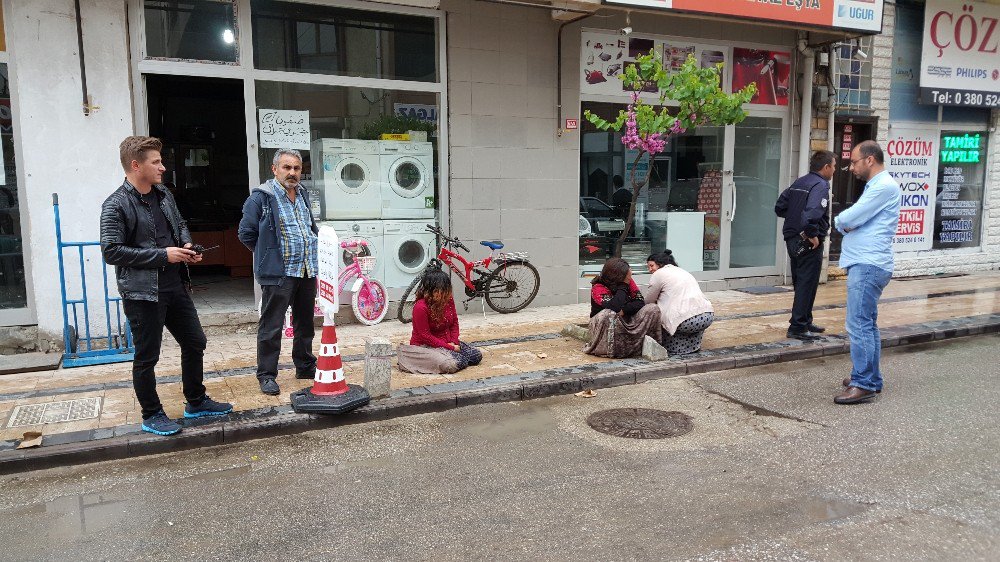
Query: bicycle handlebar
point(448, 239)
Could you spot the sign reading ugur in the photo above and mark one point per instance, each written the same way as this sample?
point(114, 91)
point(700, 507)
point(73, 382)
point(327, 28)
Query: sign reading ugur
point(858, 15)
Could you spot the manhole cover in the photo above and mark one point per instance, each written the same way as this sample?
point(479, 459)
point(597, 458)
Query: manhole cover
point(640, 423)
point(55, 412)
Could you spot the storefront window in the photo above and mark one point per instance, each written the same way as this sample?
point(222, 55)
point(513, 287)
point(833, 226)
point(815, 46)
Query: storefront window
point(12, 287)
point(297, 37)
point(958, 212)
point(678, 209)
point(199, 30)
point(367, 153)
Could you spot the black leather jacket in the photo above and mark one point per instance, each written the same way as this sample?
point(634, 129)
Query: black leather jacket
point(128, 241)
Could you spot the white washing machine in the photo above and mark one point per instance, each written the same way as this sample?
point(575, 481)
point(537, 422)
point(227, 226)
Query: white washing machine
point(407, 177)
point(369, 231)
point(408, 249)
point(348, 176)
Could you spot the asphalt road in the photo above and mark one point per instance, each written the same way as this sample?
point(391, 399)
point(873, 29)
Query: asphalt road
point(772, 470)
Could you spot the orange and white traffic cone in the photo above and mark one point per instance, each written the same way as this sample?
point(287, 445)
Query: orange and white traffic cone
point(330, 393)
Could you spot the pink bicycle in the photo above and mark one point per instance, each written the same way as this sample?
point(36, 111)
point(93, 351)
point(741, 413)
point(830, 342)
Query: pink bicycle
point(370, 301)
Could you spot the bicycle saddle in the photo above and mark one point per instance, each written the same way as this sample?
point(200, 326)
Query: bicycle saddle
point(492, 245)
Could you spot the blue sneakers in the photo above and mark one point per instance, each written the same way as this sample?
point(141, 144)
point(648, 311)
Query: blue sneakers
point(207, 407)
point(160, 424)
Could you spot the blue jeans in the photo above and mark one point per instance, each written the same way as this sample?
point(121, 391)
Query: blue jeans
point(864, 287)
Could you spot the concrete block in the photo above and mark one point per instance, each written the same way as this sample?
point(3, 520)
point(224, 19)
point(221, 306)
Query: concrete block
point(652, 350)
point(577, 332)
point(378, 366)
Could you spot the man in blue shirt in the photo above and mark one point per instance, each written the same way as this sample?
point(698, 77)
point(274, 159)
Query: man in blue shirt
point(866, 253)
point(804, 207)
point(278, 227)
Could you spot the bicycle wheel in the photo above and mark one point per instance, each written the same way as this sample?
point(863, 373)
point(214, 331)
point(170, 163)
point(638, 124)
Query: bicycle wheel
point(405, 311)
point(512, 286)
point(370, 303)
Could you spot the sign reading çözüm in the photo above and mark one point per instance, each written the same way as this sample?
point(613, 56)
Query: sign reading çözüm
point(913, 164)
point(283, 128)
point(959, 64)
point(328, 252)
point(858, 15)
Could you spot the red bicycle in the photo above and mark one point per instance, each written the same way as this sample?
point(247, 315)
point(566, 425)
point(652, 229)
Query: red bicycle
point(506, 281)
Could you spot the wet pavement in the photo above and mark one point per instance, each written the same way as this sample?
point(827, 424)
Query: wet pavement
point(513, 345)
point(772, 470)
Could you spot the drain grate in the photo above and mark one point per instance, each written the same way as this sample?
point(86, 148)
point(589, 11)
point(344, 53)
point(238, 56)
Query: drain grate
point(55, 412)
point(764, 290)
point(640, 423)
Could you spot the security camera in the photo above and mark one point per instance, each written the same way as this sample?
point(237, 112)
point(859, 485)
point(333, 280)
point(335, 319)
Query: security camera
point(860, 55)
point(626, 30)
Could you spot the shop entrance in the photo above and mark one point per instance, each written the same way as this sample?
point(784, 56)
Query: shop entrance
point(848, 133)
point(710, 198)
point(202, 124)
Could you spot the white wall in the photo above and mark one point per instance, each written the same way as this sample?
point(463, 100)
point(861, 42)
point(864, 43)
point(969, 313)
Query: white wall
point(61, 150)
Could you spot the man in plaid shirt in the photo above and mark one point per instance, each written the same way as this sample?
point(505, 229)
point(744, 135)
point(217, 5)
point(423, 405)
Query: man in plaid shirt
point(279, 228)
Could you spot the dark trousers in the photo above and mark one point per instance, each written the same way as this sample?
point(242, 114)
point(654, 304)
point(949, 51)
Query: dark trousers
point(175, 311)
point(805, 277)
point(300, 293)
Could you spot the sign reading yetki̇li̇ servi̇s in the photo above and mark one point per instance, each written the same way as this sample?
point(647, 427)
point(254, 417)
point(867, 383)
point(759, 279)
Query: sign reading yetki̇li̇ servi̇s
point(960, 57)
point(913, 163)
point(856, 15)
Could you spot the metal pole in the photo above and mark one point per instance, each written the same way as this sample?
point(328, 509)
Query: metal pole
point(83, 297)
point(62, 272)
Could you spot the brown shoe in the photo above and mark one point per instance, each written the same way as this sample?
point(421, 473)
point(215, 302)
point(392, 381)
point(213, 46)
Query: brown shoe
point(847, 382)
point(854, 395)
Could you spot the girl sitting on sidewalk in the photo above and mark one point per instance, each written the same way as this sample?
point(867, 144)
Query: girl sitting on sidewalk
point(685, 313)
point(434, 345)
point(619, 319)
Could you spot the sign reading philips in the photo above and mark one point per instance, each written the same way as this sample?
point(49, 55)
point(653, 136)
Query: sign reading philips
point(855, 15)
point(959, 63)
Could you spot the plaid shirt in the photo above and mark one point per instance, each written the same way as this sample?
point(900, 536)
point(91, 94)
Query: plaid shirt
point(298, 243)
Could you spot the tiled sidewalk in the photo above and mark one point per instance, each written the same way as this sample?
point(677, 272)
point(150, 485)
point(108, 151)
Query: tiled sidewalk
point(511, 344)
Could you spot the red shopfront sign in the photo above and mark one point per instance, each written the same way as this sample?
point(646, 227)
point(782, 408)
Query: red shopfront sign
point(855, 15)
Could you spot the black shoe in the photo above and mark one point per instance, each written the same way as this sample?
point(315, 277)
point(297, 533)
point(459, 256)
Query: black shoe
point(306, 375)
point(803, 335)
point(207, 407)
point(815, 329)
point(269, 386)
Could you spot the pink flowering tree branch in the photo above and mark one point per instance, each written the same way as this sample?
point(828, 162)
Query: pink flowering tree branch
point(696, 100)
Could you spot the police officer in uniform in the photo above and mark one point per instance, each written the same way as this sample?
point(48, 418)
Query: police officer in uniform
point(804, 207)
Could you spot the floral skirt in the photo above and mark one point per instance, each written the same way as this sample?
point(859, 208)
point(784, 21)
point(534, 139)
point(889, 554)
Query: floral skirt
point(687, 336)
point(614, 336)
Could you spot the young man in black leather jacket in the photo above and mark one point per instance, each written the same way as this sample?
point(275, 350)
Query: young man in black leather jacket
point(145, 238)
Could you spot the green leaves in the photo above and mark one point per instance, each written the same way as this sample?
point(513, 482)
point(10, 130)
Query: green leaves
point(696, 91)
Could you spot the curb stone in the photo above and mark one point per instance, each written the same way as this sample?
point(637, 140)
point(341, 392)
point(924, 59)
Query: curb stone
point(127, 441)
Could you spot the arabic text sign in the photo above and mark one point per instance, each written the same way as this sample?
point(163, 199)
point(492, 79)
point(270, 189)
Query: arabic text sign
point(284, 128)
point(913, 163)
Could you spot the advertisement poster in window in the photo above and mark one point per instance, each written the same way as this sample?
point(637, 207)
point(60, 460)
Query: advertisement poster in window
point(958, 212)
point(913, 163)
point(604, 56)
point(770, 70)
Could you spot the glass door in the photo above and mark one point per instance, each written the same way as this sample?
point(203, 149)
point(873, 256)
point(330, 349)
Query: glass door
point(751, 187)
